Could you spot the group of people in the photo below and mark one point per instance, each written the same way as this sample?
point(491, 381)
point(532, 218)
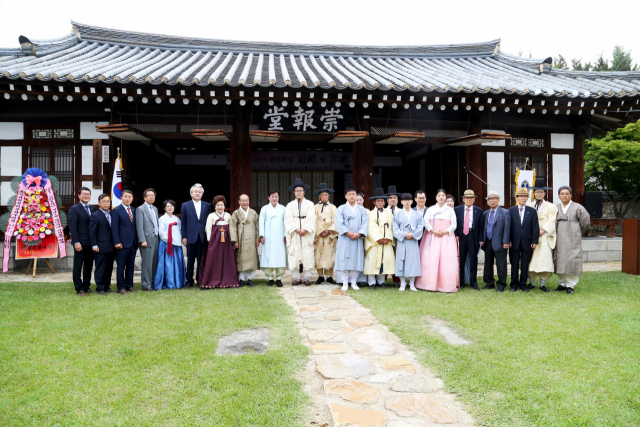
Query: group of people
point(430, 248)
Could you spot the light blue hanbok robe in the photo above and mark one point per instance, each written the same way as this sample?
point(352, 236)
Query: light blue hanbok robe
point(350, 253)
point(271, 227)
point(407, 251)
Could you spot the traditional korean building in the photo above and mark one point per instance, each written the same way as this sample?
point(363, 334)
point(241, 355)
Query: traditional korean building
point(245, 117)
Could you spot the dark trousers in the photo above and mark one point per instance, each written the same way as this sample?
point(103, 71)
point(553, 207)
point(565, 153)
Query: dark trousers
point(500, 259)
point(194, 252)
point(519, 261)
point(125, 259)
point(104, 269)
point(82, 262)
point(468, 246)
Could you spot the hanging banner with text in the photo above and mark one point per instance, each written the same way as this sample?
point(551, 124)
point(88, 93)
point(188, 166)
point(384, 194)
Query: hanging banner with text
point(316, 119)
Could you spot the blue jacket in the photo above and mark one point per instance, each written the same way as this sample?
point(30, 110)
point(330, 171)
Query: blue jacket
point(526, 233)
point(100, 232)
point(79, 224)
point(122, 229)
point(501, 232)
point(477, 224)
point(192, 228)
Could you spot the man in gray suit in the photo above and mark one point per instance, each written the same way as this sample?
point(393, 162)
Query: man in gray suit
point(147, 229)
point(495, 235)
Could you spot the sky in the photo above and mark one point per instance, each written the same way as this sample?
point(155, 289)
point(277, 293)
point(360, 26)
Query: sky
point(539, 28)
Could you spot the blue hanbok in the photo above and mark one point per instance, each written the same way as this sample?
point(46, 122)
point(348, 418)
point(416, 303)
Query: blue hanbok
point(170, 273)
point(350, 253)
point(407, 251)
point(271, 227)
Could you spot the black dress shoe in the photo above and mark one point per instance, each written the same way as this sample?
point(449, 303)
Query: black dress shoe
point(241, 283)
point(500, 289)
point(362, 284)
point(270, 283)
point(88, 291)
point(514, 288)
point(296, 283)
point(122, 291)
point(250, 283)
point(102, 292)
point(279, 283)
point(108, 291)
point(487, 287)
point(131, 290)
point(188, 285)
point(475, 287)
point(524, 288)
point(307, 283)
point(82, 293)
point(372, 287)
point(570, 291)
point(330, 280)
point(530, 286)
point(320, 280)
point(543, 288)
point(561, 288)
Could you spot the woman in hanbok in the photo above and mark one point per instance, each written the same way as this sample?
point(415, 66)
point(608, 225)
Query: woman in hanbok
point(218, 260)
point(451, 202)
point(439, 249)
point(408, 227)
point(170, 273)
point(273, 261)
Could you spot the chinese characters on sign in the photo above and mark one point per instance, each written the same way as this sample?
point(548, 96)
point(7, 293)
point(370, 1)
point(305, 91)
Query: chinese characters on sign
point(48, 248)
point(302, 119)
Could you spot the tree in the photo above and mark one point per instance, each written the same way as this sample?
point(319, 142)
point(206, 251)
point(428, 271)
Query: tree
point(560, 62)
point(612, 165)
point(601, 64)
point(576, 64)
point(622, 60)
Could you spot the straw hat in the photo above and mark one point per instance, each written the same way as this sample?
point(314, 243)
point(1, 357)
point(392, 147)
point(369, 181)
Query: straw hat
point(522, 192)
point(493, 193)
point(469, 193)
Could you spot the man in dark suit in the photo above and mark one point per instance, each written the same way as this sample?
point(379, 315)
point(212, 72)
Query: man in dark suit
point(79, 215)
point(123, 230)
point(525, 230)
point(193, 215)
point(102, 244)
point(469, 235)
point(495, 235)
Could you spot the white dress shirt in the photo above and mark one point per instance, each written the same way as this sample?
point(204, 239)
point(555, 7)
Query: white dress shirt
point(196, 206)
point(521, 210)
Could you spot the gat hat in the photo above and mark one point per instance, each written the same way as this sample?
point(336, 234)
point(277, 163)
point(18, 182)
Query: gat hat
point(540, 185)
point(522, 192)
point(493, 193)
point(323, 189)
point(469, 193)
point(298, 183)
point(392, 191)
point(378, 194)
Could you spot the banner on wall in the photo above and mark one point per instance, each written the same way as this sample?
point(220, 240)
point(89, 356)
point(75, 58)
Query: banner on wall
point(526, 179)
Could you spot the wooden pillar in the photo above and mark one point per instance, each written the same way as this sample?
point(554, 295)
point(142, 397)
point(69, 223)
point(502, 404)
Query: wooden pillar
point(240, 161)
point(474, 164)
point(578, 166)
point(363, 166)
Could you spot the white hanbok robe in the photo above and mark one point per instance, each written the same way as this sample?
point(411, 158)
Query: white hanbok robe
point(350, 253)
point(300, 248)
point(380, 227)
point(408, 251)
point(271, 227)
point(542, 259)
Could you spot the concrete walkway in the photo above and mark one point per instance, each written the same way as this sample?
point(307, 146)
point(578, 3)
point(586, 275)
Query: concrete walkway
point(359, 374)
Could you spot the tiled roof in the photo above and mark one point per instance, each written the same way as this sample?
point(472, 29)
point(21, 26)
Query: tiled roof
point(94, 54)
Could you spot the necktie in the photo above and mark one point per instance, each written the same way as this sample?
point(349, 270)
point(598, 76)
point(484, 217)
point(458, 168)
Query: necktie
point(490, 227)
point(170, 240)
point(466, 222)
point(88, 210)
point(108, 217)
point(130, 216)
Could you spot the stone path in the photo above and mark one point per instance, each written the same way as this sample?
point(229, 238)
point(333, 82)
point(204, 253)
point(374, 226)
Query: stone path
point(359, 374)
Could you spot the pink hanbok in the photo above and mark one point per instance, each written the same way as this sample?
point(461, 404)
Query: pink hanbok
point(439, 255)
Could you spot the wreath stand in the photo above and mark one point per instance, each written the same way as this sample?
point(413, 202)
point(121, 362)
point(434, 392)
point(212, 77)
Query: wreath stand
point(34, 262)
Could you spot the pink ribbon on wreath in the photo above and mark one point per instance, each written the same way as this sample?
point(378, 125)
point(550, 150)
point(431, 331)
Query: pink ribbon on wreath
point(33, 179)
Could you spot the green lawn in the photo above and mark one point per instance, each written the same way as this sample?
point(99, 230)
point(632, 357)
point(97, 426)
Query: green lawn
point(145, 359)
point(536, 359)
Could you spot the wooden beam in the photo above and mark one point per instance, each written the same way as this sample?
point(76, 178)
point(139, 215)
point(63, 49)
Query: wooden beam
point(578, 166)
point(363, 165)
point(477, 139)
point(346, 136)
point(240, 161)
point(123, 131)
point(97, 163)
point(211, 135)
point(397, 137)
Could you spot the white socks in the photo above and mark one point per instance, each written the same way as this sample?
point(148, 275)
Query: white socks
point(403, 284)
point(345, 286)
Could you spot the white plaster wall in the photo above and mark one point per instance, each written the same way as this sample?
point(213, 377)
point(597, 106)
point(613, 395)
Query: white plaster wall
point(5, 192)
point(562, 140)
point(11, 161)
point(88, 130)
point(87, 160)
point(11, 130)
point(560, 171)
point(495, 174)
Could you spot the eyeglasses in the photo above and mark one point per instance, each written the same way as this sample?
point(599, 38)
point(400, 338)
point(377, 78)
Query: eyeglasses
point(299, 191)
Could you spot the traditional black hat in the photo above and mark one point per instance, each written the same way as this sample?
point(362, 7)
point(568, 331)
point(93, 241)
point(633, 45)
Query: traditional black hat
point(378, 194)
point(323, 189)
point(392, 191)
point(540, 185)
point(298, 183)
